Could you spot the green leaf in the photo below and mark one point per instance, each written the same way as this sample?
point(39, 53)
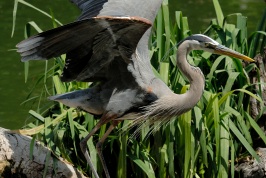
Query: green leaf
point(224, 148)
point(72, 131)
point(256, 127)
point(36, 115)
point(35, 8)
point(219, 13)
point(186, 124)
point(244, 142)
point(122, 159)
point(230, 81)
point(146, 168)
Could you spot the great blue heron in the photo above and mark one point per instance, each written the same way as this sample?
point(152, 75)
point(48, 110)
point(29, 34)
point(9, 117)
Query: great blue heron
point(109, 44)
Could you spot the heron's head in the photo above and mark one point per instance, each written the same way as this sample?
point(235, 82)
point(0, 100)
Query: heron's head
point(202, 42)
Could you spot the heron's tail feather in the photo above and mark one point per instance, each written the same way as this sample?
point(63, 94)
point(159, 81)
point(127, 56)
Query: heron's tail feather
point(74, 96)
point(53, 43)
point(88, 100)
point(59, 97)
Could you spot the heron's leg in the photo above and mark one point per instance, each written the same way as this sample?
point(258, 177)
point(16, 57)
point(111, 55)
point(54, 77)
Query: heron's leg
point(99, 146)
point(83, 143)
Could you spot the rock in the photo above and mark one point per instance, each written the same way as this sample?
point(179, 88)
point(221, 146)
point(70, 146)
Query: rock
point(251, 168)
point(15, 159)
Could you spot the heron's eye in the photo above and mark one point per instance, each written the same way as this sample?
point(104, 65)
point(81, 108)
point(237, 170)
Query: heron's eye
point(209, 45)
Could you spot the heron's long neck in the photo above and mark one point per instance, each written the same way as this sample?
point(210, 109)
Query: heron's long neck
point(170, 104)
point(193, 74)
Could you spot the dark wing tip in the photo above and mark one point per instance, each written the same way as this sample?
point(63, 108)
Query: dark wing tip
point(28, 48)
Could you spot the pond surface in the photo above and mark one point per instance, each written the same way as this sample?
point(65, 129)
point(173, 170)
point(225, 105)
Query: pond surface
point(14, 90)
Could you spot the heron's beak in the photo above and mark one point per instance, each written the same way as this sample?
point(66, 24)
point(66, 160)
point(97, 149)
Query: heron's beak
point(219, 49)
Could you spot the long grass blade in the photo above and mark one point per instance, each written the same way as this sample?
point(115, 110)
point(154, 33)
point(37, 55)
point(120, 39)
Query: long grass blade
point(256, 127)
point(224, 148)
point(146, 169)
point(219, 13)
point(238, 134)
point(37, 9)
point(15, 9)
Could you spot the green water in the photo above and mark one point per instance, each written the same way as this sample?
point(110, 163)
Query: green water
point(200, 12)
point(13, 89)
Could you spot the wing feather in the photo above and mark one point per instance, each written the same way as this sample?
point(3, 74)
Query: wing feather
point(89, 44)
point(119, 40)
point(92, 43)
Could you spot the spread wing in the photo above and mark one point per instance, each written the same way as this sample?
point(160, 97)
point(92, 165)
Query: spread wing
point(89, 44)
point(105, 30)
